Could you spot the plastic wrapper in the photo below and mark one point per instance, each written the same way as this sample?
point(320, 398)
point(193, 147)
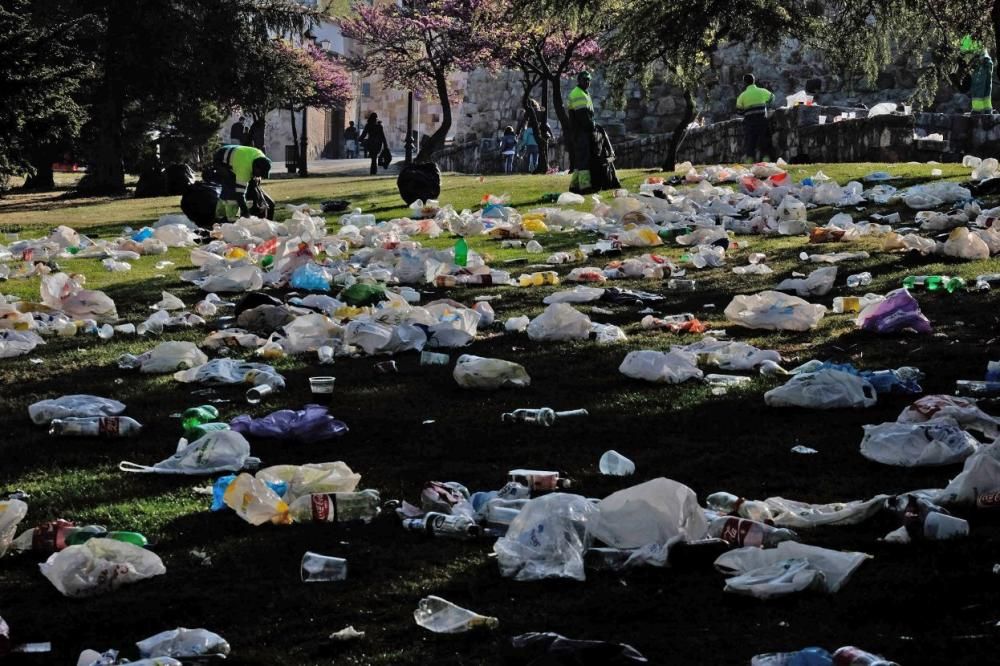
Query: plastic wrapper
point(825, 389)
point(802, 515)
point(666, 368)
point(308, 425)
point(660, 511)
point(311, 479)
point(773, 310)
point(99, 566)
point(939, 441)
point(559, 321)
point(73, 406)
point(489, 373)
point(547, 539)
point(183, 643)
point(897, 312)
point(12, 512)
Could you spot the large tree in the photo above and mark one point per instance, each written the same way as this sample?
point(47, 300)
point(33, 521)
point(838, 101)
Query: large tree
point(419, 44)
point(151, 54)
point(42, 73)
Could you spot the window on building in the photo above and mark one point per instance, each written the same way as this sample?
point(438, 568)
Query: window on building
point(366, 90)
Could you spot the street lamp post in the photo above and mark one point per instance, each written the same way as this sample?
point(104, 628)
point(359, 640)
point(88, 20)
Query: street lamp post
point(409, 128)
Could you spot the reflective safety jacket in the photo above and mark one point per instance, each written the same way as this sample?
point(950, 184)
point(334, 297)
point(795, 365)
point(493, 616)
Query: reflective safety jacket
point(753, 101)
point(240, 159)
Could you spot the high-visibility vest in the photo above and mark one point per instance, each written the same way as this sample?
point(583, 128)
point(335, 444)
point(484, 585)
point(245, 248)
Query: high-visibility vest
point(240, 159)
point(579, 99)
point(754, 101)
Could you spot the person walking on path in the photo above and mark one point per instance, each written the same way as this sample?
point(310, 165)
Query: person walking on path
point(528, 146)
point(581, 113)
point(752, 105)
point(508, 148)
point(373, 138)
point(351, 141)
point(238, 131)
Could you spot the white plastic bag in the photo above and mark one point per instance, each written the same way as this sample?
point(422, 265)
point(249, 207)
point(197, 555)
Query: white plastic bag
point(965, 245)
point(826, 570)
point(12, 512)
point(818, 283)
point(308, 333)
point(217, 451)
point(660, 511)
point(669, 368)
point(99, 566)
point(18, 343)
point(802, 515)
point(940, 441)
point(489, 373)
point(183, 643)
point(773, 310)
point(979, 481)
point(254, 501)
point(171, 357)
point(72, 406)
point(547, 539)
point(964, 411)
point(312, 478)
point(231, 371)
point(559, 321)
point(825, 389)
point(579, 294)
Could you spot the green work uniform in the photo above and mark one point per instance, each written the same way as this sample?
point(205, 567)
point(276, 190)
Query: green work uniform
point(581, 111)
point(752, 105)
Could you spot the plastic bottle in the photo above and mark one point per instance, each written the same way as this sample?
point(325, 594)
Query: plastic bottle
point(728, 503)
point(859, 280)
point(336, 507)
point(810, 656)
point(461, 251)
point(544, 416)
point(444, 525)
point(744, 532)
point(976, 389)
point(96, 426)
point(853, 656)
point(196, 416)
point(987, 281)
point(933, 282)
point(443, 617)
point(54, 536)
point(538, 480)
point(499, 512)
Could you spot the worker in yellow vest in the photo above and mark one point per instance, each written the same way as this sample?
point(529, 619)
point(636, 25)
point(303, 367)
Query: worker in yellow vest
point(241, 169)
point(581, 114)
point(752, 105)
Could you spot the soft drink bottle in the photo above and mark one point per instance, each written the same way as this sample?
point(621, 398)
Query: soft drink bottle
point(859, 280)
point(853, 656)
point(444, 525)
point(96, 426)
point(335, 507)
point(196, 416)
point(461, 252)
point(731, 504)
point(744, 532)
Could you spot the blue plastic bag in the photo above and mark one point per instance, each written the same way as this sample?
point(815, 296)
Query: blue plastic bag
point(311, 277)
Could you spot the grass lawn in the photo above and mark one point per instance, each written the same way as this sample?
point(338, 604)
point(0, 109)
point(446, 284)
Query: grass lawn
point(925, 603)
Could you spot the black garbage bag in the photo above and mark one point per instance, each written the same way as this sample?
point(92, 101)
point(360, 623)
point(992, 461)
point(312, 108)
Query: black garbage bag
point(254, 299)
point(551, 649)
point(385, 157)
point(335, 205)
point(152, 183)
point(179, 176)
point(419, 181)
point(603, 175)
point(199, 202)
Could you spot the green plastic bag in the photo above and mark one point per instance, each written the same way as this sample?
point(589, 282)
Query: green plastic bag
point(363, 294)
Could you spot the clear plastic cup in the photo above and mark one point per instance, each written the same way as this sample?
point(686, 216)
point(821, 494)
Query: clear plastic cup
point(822, 120)
point(433, 358)
point(613, 463)
point(321, 385)
point(318, 568)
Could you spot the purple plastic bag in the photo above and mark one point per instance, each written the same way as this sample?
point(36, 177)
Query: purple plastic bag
point(308, 425)
point(899, 310)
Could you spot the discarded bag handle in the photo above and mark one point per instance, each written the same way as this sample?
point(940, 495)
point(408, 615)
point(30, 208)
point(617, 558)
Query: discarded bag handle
point(127, 466)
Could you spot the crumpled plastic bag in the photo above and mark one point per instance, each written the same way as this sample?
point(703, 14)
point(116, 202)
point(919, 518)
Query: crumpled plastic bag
point(308, 333)
point(579, 294)
point(660, 511)
point(560, 321)
point(802, 515)
point(489, 373)
point(79, 405)
point(962, 244)
point(255, 501)
point(172, 356)
point(169, 302)
point(818, 283)
point(825, 389)
point(939, 441)
point(183, 643)
point(61, 292)
point(18, 343)
point(547, 539)
point(311, 277)
point(231, 371)
point(979, 481)
point(729, 354)
point(311, 478)
point(217, 451)
point(308, 425)
point(672, 367)
point(773, 310)
point(964, 411)
point(791, 567)
point(233, 280)
point(548, 648)
point(99, 566)
point(12, 512)
point(898, 311)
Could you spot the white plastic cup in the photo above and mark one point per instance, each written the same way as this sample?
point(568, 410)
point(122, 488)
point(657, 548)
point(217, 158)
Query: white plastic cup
point(613, 463)
point(938, 526)
point(318, 568)
point(822, 120)
point(321, 385)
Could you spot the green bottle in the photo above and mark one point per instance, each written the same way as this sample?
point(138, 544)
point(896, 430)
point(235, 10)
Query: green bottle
point(934, 282)
point(202, 429)
point(133, 538)
point(461, 252)
point(196, 416)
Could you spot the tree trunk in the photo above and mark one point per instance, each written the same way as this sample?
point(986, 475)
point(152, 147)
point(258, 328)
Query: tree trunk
point(295, 136)
point(564, 121)
point(680, 131)
point(43, 180)
point(107, 172)
point(436, 140)
point(304, 144)
point(543, 131)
